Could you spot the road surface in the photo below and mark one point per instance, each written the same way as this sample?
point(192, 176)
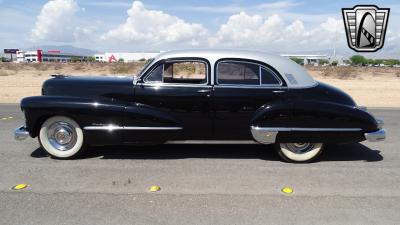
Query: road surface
point(200, 184)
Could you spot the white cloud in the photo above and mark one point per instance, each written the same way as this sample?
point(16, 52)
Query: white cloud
point(256, 31)
point(54, 23)
point(108, 4)
point(235, 8)
point(155, 28)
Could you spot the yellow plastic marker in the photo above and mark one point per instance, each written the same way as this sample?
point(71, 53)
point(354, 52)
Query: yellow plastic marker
point(20, 186)
point(4, 118)
point(10, 117)
point(155, 188)
point(287, 190)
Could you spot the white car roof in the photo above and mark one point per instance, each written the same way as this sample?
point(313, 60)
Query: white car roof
point(294, 75)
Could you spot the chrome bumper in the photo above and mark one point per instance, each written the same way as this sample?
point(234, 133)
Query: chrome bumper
point(378, 135)
point(21, 133)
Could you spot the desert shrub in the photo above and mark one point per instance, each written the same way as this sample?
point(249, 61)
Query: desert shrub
point(40, 66)
point(298, 60)
point(58, 66)
point(341, 72)
point(122, 68)
point(358, 60)
point(78, 66)
point(10, 66)
point(323, 61)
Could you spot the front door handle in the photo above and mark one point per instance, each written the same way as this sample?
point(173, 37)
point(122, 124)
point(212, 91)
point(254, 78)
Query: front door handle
point(278, 91)
point(204, 91)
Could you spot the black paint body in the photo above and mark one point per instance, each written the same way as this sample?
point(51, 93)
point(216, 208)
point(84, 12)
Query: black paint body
point(206, 112)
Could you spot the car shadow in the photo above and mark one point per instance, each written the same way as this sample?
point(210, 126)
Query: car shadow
point(348, 152)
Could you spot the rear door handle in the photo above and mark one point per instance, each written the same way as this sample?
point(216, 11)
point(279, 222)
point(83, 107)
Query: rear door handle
point(204, 91)
point(278, 91)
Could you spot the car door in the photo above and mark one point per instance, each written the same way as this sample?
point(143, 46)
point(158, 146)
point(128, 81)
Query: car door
point(241, 87)
point(180, 88)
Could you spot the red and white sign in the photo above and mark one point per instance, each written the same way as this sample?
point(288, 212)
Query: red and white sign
point(112, 59)
point(54, 51)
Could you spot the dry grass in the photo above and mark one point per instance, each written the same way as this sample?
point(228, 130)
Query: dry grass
point(3, 73)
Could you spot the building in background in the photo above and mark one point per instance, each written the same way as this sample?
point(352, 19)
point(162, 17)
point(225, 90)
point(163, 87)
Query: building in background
point(111, 57)
point(308, 59)
point(49, 56)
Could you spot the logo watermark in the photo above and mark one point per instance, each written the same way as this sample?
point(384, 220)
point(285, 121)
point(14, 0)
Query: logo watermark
point(365, 27)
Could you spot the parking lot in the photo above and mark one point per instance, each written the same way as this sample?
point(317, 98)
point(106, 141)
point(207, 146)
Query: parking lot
point(200, 184)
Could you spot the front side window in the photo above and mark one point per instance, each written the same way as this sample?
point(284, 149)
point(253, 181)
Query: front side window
point(245, 73)
point(179, 72)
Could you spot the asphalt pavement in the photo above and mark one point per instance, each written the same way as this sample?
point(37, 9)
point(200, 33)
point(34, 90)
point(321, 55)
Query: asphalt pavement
point(200, 184)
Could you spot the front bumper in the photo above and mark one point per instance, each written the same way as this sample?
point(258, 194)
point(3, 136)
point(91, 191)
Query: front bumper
point(21, 133)
point(375, 136)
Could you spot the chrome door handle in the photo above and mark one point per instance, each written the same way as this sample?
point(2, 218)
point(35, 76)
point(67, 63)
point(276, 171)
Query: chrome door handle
point(204, 91)
point(278, 91)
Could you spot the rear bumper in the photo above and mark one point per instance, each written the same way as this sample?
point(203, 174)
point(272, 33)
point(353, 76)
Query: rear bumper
point(21, 133)
point(375, 136)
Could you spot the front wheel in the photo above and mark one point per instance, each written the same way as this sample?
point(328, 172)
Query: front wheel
point(299, 152)
point(61, 137)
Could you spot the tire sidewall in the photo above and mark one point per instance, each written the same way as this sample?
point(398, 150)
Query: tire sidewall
point(290, 156)
point(44, 140)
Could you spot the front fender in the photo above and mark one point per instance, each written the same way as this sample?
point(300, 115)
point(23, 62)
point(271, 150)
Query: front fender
point(86, 112)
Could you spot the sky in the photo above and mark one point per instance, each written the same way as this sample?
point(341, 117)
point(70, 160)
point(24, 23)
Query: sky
point(151, 25)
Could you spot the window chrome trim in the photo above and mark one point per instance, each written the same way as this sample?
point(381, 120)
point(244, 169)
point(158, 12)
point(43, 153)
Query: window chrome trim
point(248, 85)
point(112, 127)
point(206, 64)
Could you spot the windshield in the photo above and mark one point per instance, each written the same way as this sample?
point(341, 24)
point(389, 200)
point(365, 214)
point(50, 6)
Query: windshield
point(146, 65)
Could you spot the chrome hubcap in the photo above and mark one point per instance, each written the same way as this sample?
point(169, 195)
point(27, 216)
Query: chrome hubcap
point(62, 136)
point(300, 148)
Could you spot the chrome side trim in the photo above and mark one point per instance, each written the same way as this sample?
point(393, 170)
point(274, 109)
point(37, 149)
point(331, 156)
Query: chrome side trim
point(264, 135)
point(375, 136)
point(267, 135)
point(113, 127)
point(214, 142)
point(21, 133)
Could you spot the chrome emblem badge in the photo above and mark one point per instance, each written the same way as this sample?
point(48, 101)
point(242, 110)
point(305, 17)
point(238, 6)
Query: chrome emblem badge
point(365, 27)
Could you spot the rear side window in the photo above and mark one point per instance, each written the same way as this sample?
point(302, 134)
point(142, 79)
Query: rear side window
point(245, 73)
point(238, 73)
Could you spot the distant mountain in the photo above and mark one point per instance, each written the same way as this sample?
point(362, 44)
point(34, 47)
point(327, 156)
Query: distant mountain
point(65, 48)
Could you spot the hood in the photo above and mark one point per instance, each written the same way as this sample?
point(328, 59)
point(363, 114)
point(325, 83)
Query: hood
point(114, 88)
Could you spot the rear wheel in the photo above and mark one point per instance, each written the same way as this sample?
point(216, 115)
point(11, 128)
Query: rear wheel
point(299, 152)
point(61, 137)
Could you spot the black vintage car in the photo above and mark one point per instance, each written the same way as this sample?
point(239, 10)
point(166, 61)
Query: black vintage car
point(198, 96)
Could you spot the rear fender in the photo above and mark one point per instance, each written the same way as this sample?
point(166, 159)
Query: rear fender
point(311, 121)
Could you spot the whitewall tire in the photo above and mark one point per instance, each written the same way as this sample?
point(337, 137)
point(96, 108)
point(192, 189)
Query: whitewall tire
point(61, 137)
point(299, 152)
